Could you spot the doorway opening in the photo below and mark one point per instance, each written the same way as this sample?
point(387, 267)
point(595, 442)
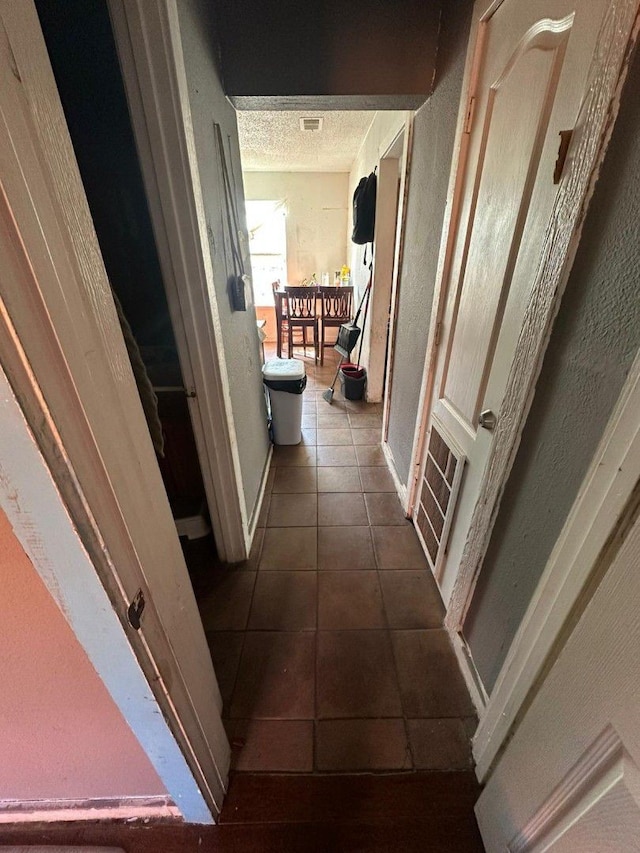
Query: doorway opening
point(83, 55)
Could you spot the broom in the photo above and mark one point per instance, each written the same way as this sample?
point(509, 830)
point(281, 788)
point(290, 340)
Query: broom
point(348, 335)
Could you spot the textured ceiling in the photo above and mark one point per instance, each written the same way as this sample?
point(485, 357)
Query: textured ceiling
point(273, 141)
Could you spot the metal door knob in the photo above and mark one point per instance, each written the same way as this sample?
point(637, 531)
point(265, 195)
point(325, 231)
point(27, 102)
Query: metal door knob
point(487, 419)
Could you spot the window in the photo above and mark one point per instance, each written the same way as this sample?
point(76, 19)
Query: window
point(266, 223)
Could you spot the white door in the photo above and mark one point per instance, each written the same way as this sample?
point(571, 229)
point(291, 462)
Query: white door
point(569, 779)
point(56, 299)
point(532, 62)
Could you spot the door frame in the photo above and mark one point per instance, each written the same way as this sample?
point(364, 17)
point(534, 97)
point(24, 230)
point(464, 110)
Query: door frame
point(586, 152)
point(405, 177)
point(593, 522)
point(63, 353)
point(147, 37)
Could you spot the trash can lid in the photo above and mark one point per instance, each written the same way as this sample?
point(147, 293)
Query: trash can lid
point(283, 368)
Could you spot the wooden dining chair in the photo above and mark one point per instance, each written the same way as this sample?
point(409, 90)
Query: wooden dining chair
point(336, 308)
point(282, 325)
point(301, 307)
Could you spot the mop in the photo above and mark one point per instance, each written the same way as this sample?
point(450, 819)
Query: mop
point(348, 335)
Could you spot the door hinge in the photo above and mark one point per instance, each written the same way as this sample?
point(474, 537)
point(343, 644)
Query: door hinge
point(438, 334)
point(565, 141)
point(468, 120)
point(135, 610)
point(190, 392)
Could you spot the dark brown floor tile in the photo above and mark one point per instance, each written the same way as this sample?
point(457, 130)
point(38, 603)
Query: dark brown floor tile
point(361, 420)
point(398, 548)
point(289, 548)
point(295, 480)
point(339, 479)
point(349, 600)
point(440, 744)
point(225, 648)
point(384, 509)
point(343, 745)
point(356, 676)
point(382, 798)
point(430, 681)
point(293, 510)
point(294, 455)
point(284, 601)
point(345, 548)
point(377, 480)
point(366, 436)
point(370, 455)
point(226, 608)
point(332, 455)
point(276, 676)
point(276, 746)
point(411, 599)
point(339, 510)
point(334, 436)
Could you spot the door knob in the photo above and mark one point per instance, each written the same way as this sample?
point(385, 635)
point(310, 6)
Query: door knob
point(487, 419)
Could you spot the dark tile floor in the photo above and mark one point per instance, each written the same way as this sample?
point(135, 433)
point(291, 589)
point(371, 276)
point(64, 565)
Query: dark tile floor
point(328, 643)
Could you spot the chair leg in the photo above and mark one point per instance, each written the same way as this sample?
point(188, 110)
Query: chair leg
point(322, 347)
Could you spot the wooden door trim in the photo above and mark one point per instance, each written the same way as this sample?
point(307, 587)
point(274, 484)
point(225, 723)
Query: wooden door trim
point(605, 492)
point(447, 244)
point(586, 152)
point(149, 47)
point(63, 353)
point(405, 177)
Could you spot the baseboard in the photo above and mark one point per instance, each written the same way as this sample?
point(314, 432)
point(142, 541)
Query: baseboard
point(253, 523)
point(470, 674)
point(401, 489)
point(98, 808)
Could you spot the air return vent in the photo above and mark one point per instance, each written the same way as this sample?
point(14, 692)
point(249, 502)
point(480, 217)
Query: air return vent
point(311, 124)
point(438, 495)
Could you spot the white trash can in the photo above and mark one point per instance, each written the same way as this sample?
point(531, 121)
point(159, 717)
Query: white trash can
point(286, 380)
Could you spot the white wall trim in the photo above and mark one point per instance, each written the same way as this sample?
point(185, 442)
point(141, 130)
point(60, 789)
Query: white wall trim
point(149, 47)
point(603, 496)
point(261, 493)
point(469, 672)
point(405, 176)
point(447, 243)
point(41, 522)
point(401, 489)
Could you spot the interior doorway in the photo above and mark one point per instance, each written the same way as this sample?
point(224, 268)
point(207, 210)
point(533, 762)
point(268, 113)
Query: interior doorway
point(83, 55)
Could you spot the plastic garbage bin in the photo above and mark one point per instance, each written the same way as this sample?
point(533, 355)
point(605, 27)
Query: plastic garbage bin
point(286, 380)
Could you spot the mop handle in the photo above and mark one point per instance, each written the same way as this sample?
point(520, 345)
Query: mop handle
point(364, 322)
point(364, 296)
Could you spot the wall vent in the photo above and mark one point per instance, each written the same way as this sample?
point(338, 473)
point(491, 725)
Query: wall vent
point(438, 495)
point(311, 124)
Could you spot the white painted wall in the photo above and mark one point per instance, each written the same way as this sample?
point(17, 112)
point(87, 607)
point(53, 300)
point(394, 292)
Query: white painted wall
point(384, 128)
point(317, 213)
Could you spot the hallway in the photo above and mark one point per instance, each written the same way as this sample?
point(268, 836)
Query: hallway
point(328, 643)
